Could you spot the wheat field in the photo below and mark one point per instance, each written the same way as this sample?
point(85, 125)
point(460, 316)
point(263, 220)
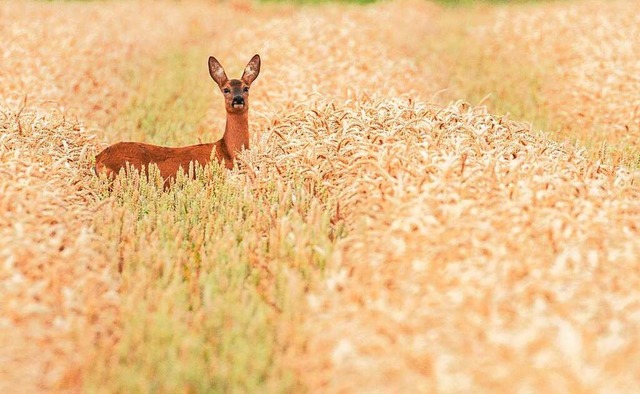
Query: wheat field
point(437, 199)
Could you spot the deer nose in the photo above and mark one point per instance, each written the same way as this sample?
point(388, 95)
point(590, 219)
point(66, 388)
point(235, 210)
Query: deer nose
point(238, 100)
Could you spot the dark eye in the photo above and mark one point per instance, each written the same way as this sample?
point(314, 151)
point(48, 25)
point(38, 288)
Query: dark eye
point(226, 91)
point(246, 89)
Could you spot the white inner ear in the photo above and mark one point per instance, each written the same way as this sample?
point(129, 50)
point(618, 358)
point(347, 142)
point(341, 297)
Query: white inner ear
point(220, 74)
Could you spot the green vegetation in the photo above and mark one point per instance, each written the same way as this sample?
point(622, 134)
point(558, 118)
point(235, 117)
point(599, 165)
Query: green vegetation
point(211, 272)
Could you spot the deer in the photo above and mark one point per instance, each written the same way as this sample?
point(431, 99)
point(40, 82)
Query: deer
point(169, 160)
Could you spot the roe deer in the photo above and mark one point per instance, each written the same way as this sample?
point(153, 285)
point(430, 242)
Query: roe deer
point(236, 134)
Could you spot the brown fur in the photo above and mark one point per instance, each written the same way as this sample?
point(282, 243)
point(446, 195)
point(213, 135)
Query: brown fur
point(169, 159)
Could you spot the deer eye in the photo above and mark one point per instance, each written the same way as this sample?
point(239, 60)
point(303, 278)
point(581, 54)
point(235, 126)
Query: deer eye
point(246, 89)
point(226, 91)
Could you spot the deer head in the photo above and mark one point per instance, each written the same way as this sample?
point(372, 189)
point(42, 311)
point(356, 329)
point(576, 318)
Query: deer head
point(235, 91)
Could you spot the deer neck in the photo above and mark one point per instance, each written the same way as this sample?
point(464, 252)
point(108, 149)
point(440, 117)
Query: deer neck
point(236, 133)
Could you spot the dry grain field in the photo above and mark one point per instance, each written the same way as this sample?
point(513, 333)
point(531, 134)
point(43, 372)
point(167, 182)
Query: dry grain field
point(438, 198)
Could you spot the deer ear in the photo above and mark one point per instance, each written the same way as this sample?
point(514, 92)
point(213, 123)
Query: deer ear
point(217, 72)
point(252, 70)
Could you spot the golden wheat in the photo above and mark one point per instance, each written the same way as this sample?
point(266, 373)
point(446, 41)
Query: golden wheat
point(466, 252)
point(59, 295)
point(474, 247)
point(71, 57)
point(590, 48)
point(54, 279)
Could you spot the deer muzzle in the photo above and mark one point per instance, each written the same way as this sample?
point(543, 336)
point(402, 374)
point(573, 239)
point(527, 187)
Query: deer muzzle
point(238, 102)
